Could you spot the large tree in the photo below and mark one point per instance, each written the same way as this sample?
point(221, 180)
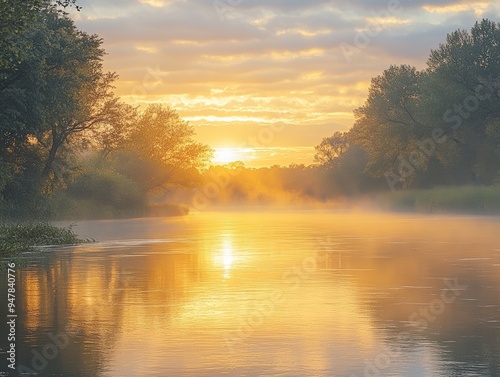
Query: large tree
point(464, 88)
point(160, 150)
point(76, 96)
point(440, 125)
point(387, 125)
point(59, 96)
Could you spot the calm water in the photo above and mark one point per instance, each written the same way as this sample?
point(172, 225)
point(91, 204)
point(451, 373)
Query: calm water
point(265, 294)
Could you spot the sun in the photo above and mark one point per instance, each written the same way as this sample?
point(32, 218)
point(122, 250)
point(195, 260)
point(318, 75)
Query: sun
point(226, 155)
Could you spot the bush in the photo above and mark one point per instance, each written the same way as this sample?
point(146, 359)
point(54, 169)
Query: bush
point(22, 200)
point(16, 238)
point(100, 193)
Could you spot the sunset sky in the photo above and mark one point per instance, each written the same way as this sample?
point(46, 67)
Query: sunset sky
point(265, 81)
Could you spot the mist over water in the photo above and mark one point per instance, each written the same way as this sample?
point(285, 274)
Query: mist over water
point(290, 293)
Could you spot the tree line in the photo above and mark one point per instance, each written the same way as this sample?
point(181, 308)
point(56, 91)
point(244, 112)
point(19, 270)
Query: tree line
point(69, 146)
point(436, 127)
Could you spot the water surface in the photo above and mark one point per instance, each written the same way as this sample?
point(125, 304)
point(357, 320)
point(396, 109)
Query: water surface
point(265, 294)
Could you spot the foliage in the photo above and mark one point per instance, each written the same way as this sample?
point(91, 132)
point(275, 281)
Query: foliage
point(332, 148)
point(160, 150)
point(77, 97)
point(15, 18)
point(388, 121)
point(57, 105)
point(16, 238)
point(106, 187)
point(57, 98)
point(437, 126)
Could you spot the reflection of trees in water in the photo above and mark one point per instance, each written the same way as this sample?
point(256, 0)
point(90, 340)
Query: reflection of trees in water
point(96, 300)
point(404, 277)
point(394, 269)
point(53, 303)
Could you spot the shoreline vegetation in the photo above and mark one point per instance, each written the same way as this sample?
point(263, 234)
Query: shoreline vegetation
point(459, 200)
point(474, 200)
point(18, 238)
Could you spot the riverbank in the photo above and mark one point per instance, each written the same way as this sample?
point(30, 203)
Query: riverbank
point(18, 238)
point(467, 200)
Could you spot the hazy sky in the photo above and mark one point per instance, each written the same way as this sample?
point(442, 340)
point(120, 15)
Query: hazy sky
point(255, 73)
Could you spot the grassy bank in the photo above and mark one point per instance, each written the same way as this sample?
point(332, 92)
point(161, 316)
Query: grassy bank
point(466, 199)
point(16, 238)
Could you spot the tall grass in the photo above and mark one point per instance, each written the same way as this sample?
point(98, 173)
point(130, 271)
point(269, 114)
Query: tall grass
point(465, 199)
point(17, 238)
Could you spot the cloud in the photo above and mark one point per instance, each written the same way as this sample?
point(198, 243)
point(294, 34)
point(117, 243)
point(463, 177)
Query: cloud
point(263, 59)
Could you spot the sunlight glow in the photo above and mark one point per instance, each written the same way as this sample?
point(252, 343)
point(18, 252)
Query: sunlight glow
point(147, 49)
point(154, 3)
point(478, 7)
point(227, 155)
point(231, 119)
point(228, 256)
point(303, 32)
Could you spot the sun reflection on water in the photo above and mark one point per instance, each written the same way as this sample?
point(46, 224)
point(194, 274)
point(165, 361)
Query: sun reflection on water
point(228, 290)
point(225, 258)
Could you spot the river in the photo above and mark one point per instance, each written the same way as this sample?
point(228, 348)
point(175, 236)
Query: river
point(288, 293)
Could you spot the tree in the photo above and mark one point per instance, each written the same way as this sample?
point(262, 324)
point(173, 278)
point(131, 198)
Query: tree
point(60, 98)
point(387, 126)
point(57, 100)
point(76, 97)
point(456, 98)
point(163, 149)
point(465, 83)
point(331, 148)
point(342, 165)
point(469, 58)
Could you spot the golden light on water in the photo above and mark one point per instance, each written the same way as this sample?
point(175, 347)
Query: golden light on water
point(229, 287)
point(225, 258)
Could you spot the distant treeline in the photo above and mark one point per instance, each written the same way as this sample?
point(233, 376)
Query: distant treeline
point(439, 127)
point(233, 184)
